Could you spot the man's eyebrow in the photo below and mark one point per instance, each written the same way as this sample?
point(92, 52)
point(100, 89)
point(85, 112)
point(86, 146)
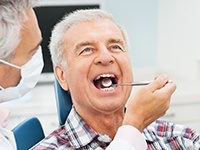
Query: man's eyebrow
point(86, 43)
point(116, 40)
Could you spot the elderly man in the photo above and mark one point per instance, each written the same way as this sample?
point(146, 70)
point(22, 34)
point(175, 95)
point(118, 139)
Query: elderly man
point(20, 57)
point(90, 56)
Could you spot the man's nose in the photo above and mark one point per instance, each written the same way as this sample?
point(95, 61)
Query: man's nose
point(104, 57)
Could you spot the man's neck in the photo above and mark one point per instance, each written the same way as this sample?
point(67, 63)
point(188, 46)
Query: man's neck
point(103, 123)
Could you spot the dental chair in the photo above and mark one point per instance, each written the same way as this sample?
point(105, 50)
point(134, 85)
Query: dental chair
point(28, 133)
point(63, 102)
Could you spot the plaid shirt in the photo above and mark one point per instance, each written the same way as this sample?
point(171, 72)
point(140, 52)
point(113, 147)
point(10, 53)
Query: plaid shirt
point(160, 135)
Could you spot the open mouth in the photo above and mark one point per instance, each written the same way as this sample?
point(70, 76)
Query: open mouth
point(105, 82)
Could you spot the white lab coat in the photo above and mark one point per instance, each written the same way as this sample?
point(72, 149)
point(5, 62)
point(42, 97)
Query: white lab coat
point(7, 139)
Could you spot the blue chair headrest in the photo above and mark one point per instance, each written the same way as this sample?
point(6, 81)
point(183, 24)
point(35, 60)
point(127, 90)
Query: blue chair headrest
point(64, 103)
point(28, 133)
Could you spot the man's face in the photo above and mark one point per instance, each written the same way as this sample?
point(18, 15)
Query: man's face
point(30, 40)
point(96, 51)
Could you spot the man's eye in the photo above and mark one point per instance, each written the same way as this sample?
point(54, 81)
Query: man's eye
point(86, 51)
point(116, 48)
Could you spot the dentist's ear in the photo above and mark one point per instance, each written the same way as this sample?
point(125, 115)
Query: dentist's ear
point(61, 77)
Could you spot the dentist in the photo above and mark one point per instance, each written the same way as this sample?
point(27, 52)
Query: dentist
point(21, 59)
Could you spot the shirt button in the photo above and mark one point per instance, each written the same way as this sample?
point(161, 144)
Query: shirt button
point(104, 138)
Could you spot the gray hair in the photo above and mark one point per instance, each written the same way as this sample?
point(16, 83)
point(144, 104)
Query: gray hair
point(56, 42)
point(12, 16)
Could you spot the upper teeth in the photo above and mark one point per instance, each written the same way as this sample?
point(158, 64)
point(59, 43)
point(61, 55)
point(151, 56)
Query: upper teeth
point(105, 75)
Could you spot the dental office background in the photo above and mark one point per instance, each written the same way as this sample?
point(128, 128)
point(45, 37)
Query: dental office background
point(164, 37)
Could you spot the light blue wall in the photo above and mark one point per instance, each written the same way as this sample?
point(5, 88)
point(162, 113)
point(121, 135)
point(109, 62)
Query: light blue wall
point(139, 17)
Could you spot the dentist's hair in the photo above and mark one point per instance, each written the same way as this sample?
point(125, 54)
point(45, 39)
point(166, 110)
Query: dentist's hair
point(57, 42)
point(12, 17)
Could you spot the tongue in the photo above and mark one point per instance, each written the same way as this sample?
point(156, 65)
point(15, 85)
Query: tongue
point(98, 84)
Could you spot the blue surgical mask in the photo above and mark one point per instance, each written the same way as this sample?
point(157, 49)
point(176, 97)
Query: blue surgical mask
point(30, 73)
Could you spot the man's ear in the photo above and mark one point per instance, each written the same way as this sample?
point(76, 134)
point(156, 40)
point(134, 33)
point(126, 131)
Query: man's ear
point(61, 77)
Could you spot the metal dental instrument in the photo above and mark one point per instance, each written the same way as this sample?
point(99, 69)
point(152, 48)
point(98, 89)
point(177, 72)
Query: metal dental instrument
point(133, 84)
point(137, 83)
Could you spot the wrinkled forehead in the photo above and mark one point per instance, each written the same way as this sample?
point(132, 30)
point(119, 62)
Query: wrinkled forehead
point(93, 29)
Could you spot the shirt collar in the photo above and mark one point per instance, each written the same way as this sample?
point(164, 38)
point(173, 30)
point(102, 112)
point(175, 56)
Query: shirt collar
point(82, 134)
point(163, 130)
point(78, 131)
point(149, 136)
point(158, 130)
